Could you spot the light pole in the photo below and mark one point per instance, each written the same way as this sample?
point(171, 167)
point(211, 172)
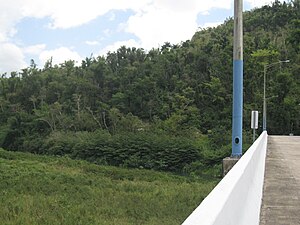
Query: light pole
point(266, 66)
point(237, 109)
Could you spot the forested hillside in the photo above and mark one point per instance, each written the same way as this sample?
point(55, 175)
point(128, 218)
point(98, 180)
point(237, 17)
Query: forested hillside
point(164, 109)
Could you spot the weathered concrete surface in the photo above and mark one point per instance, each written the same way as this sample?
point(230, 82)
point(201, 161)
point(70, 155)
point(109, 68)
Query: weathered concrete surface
point(228, 163)
point(281, 194)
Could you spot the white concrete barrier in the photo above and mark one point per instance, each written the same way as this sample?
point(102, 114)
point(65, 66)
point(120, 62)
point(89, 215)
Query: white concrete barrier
point(236, 200)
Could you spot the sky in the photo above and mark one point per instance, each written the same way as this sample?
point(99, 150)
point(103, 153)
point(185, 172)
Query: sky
point(75, 29)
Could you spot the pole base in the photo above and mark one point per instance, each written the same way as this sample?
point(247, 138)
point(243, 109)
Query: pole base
point(228, 163)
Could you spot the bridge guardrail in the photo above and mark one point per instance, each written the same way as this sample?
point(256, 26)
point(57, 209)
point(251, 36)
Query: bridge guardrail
point(236, 200)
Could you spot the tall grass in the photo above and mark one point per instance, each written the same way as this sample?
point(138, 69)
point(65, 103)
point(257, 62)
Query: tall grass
point(57, 190)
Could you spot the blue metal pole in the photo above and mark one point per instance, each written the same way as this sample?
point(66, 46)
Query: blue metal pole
point(237, 112)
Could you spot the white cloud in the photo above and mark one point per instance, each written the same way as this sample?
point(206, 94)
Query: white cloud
point(165, 21)
point(154, 27)
point(59, 55)
point(107, 32)
point(9, 16)
point(92, 43)
point(205, 13)
point(34, 49)
point(115, 46)
point(214, 24)
point(70, 13)
point(258, 3)
point(11, 58)
point(112, 16)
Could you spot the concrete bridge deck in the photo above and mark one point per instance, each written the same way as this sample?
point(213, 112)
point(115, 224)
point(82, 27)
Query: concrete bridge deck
point(281, 193)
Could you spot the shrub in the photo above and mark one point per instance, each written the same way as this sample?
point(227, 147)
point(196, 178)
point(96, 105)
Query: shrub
point(136, 150)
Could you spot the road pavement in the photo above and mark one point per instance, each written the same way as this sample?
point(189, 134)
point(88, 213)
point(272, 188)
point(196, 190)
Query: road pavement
point(281, 194)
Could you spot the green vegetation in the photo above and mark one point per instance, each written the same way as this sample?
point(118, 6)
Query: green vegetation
point(167, 109)
point(45, 190)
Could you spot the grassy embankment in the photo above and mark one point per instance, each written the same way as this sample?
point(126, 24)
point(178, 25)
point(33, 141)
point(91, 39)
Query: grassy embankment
point(45, 190)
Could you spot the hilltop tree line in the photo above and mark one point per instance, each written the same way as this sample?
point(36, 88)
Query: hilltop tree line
point(168, 108)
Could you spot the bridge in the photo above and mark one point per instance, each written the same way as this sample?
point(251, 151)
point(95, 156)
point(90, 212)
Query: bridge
point(263, 187)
